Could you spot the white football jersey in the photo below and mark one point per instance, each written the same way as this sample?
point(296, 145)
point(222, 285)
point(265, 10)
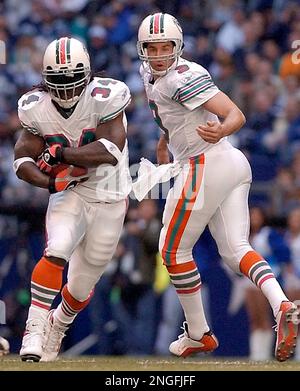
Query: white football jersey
point(102, 100)
point(175, 100)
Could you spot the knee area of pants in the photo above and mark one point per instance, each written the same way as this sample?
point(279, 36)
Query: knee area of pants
point(98, 256)
point(97, 263)
point(58, 249)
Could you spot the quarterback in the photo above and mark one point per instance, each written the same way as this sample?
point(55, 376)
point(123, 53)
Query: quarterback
point(212, 187)
point(73, 144)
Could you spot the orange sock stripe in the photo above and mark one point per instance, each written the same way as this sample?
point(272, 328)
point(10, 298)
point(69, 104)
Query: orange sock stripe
point(182, 267)
point(72, 303)
point(248, 260)
point(47, 274)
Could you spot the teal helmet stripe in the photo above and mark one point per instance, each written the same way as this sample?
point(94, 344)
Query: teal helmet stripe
point(68, 52)
point(161, 23)
point(57, 51)
point(151, 24)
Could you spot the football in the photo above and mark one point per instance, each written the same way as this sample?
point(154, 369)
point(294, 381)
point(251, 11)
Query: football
point(75, 170)
point(4, 346)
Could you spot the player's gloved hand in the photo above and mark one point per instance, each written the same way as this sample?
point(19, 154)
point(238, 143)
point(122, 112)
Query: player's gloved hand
point(67, 178)
point(50, 157)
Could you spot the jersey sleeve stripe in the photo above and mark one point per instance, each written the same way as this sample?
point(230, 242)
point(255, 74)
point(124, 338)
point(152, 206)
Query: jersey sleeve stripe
point(113, 115)
point(202, 83)
point(190, 84)
point(177, 92)
point(196, 92)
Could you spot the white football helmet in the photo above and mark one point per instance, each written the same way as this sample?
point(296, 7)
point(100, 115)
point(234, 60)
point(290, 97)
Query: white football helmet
point(66, 70)
point(159, 27)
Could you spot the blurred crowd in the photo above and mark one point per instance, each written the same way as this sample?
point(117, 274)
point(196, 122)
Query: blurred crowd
point(250, 49)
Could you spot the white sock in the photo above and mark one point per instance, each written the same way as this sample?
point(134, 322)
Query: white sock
point(37, 313)
point(187, 282)
point(274, 294)
point(261, 274)
point(194, 314)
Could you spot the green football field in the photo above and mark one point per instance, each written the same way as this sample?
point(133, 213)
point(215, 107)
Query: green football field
point(151, 363)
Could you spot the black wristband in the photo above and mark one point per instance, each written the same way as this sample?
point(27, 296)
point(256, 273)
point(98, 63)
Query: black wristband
point(51, 186)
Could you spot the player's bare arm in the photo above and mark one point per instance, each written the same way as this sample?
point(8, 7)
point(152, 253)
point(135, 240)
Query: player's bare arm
point(162, 152)
point(224, 108)
point(95, 153)
point(30, 145)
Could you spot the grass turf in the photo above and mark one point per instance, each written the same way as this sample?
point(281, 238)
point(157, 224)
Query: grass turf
point(150, 363)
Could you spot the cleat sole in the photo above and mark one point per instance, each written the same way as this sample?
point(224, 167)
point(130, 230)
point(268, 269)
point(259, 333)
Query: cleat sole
point(30, 358)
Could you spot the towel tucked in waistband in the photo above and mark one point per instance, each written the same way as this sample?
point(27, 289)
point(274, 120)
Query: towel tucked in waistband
point(149, 175)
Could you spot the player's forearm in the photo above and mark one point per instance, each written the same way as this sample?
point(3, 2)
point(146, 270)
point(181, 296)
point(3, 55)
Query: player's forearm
point(30, 173)
point(233, 121)
point(91, 155)
point(162, 152)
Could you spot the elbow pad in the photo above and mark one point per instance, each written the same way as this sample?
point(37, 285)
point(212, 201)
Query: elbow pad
point(111, 148)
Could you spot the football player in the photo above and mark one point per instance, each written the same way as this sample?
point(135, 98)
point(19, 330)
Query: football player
point(212, 187)
point(74, 144)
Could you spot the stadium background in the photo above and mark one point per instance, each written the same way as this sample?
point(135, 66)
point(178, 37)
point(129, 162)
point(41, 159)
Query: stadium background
point(247, 47)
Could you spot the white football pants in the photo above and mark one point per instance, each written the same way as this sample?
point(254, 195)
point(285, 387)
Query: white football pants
point(86, 234)
point(212, 189)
